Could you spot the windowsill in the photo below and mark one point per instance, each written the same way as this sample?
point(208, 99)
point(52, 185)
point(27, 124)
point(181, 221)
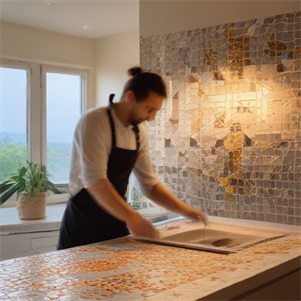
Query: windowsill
point(10, 223)
point(51, 199)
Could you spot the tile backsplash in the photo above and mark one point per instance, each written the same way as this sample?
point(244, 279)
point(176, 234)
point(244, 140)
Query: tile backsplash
point(228, 140)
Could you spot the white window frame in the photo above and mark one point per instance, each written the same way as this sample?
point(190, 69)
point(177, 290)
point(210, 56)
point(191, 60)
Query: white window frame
point(36, 102)
point(54, 69)
point(12, 64)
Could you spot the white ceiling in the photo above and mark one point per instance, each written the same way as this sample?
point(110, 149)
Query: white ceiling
point(90, 19)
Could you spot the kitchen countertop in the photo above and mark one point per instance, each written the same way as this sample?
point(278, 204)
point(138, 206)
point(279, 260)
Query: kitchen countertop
point(124, 269)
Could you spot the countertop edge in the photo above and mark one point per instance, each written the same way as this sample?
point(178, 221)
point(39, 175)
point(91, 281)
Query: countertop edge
point(257, 280)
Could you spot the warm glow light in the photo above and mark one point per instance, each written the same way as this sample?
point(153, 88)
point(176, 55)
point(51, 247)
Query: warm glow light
point(50, 4)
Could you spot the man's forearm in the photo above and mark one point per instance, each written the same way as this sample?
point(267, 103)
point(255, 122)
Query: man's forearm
point(162, 196)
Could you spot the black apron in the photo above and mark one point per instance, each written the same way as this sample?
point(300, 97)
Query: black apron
point(84, 221)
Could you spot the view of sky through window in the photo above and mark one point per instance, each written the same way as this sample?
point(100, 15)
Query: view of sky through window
point(13, 120)
point(63, 102)
point(63, 109)
point(13, 104)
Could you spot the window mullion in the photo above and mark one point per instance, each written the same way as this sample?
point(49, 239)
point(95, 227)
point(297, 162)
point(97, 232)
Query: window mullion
point(35, 118)
point(43, 121)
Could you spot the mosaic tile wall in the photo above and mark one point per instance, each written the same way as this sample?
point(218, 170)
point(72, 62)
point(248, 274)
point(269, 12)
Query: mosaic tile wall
point(228, 140)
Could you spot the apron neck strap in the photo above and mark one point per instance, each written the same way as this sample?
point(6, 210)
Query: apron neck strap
point(112, 127)
point(111, 98)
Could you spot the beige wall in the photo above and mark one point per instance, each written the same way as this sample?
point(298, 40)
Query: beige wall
point(114, 56)
point(107, 59)
point(32, 44)
point(159, 17)
point(45, 47)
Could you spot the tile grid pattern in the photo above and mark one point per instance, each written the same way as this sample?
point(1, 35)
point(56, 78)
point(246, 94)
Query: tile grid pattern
point(125, 270)
point(228, 140)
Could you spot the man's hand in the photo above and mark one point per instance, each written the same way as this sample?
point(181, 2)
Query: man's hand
point(140, 226)
point(196, 214)
point(162, 196)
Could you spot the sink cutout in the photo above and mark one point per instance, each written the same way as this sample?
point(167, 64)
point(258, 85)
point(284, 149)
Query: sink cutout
point(213, 240)
point(222, 242)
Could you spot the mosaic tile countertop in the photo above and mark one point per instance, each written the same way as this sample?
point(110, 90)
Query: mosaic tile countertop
point(124, 269)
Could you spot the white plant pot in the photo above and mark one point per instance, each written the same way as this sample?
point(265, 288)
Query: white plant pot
point(32, 207)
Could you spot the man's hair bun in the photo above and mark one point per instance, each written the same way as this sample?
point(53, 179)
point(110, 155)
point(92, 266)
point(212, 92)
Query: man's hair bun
point(134, 71)
point(142, 83)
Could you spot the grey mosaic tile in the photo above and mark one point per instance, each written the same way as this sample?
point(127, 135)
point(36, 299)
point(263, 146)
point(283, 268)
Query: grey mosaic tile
point(232, 118)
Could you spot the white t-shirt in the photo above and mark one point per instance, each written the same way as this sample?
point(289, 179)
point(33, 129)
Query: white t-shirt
point(92, 146)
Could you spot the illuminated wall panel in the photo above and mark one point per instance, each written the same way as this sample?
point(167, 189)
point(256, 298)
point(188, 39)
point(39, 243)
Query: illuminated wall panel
point(228, 140)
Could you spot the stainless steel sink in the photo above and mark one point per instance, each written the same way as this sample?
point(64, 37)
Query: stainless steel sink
point(195, 236)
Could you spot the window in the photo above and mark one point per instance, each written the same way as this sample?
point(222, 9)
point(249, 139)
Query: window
point(13, 121)
point(142, 204)
point(63, 109)
point(39, 108)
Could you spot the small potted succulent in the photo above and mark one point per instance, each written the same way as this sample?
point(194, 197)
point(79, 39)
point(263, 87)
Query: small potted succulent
point(31, 184)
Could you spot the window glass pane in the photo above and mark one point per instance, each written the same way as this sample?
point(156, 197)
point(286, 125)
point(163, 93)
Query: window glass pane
point(63, 108)
point(142, 204)
point(13, 120)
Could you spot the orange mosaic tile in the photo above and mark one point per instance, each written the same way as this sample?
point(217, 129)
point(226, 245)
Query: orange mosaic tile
point(123, 269)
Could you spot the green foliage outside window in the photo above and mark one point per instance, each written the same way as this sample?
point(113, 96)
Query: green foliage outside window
point(138, 201)
point(136, 198)
point(58, 161)
point(12, 157)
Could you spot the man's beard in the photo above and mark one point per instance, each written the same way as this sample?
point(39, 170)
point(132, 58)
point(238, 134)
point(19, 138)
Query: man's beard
point(134, 120)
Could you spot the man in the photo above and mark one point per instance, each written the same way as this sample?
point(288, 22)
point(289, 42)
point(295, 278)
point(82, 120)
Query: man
point(108, 144)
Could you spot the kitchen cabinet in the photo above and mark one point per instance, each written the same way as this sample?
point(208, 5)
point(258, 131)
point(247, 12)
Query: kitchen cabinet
point(25, 244)
point(23, 238)
point(287, 287)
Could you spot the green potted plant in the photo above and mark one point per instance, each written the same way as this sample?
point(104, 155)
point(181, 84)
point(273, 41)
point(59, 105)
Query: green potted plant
point(31, 183)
